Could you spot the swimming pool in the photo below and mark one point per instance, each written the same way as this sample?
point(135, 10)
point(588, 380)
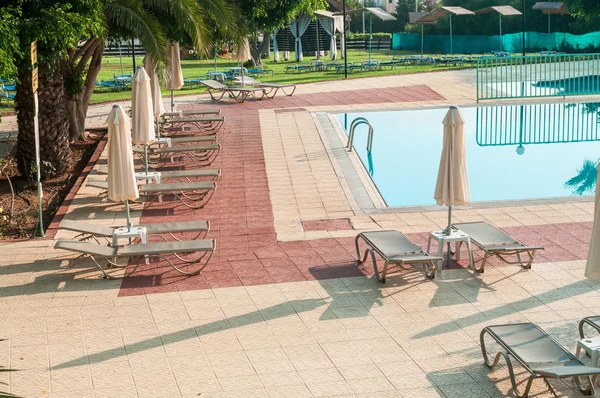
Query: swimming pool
point(513, 152)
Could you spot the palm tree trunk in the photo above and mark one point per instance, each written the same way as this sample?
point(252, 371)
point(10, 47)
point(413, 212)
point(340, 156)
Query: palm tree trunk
point(77, 104)
point(53, 123)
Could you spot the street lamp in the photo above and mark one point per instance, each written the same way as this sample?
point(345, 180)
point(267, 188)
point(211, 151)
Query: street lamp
point(523, 23)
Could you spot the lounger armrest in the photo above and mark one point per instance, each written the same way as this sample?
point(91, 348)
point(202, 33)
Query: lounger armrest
point(86, 228)
point(184, 226)
point(91, 249)
point(163, 248)
point(413, 258)
point(514, 247)
point(564, 370)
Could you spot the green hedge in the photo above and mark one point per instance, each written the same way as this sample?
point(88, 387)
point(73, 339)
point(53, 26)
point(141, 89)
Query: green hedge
point(365, 36)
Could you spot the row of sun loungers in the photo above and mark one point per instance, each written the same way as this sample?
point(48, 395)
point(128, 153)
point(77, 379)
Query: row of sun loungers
point(218, 90)
point(396, 249)
point(193, 188)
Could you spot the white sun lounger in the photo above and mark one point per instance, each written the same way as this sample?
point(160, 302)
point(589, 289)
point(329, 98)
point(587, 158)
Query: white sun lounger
point(160, 250)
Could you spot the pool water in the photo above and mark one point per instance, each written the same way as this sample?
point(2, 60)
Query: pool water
point(513, 152)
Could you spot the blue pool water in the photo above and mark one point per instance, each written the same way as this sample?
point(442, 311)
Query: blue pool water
point(513, 152)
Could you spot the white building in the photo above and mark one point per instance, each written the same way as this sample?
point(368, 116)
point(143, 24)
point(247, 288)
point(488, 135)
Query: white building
point(387, 5)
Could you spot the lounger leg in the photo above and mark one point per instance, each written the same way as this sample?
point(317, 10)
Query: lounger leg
point(531, 255)
point(470, 249)
point(105, 276)
point(358, 249)
point(375, 269)
point(482, 268)
point(590, 390)
point(511, 372)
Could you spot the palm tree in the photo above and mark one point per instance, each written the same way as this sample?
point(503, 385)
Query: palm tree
point(152, 22)
point(585, 180)
point(56, 25)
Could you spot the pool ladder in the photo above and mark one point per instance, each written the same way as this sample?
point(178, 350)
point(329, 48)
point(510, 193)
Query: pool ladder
point(355, 123)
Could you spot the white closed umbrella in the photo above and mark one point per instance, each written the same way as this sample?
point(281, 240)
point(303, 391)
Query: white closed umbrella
point(122, 184)
point(142, 112)
point(452, 187)
point(174, 73)
point(242, 54)
point(158, 107)
point(592, 267)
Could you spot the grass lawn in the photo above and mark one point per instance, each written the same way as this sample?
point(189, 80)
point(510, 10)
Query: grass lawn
point(199, 68)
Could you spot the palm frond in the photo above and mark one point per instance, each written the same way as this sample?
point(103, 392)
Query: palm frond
point(130, 15)
point(585, 179)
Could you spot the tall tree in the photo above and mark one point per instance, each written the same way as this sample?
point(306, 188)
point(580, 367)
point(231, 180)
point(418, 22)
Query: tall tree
point(263, 16)
point(9, 41)
point(57, 27)
point(152, 22)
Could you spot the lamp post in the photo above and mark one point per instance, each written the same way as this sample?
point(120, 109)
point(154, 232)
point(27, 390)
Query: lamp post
point(523, 22)
point(344, 33)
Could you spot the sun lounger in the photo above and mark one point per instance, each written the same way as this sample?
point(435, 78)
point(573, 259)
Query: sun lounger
point(395, 248)
point(89, 231)
point(495, 242)
point(167, 175)
point(245, 81)
point(274, 87)
point(299, 68)
point(186, 140)
point(160, 250)
point(111, 85)
point(260, 71)
point(237, 93)
point(540, 355)
point(199, 154)
point(593, 321)
point(188, 113)
point(188, 193)
point(206, 124)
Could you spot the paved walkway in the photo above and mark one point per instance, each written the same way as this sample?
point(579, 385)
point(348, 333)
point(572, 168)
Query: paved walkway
point(283, 310)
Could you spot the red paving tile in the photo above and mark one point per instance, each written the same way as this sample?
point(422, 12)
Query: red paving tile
point(340, 224)
point(241, 216)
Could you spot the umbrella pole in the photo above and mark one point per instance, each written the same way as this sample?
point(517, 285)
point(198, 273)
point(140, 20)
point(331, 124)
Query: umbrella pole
point(128, 215)
point(172, 101)
point(146, 160)
point(449, 232)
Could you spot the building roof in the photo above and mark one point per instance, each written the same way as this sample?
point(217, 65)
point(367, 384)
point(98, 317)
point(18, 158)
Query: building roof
point(502, 10)
point(336, 6)
point(378, 12)
point(381, 14)
point(442, 11)
point(414, 17)
point(551, 7)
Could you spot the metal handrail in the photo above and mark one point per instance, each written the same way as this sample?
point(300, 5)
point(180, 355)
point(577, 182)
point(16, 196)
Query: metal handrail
point(355, 123)
point(547, 75)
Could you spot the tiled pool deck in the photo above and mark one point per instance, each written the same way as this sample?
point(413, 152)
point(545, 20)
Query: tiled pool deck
point(282, 310)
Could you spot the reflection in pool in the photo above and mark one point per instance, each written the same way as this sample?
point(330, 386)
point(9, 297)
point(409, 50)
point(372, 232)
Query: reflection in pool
point(505, 153)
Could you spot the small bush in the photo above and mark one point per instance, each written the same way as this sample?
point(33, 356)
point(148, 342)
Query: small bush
point(365, 36)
